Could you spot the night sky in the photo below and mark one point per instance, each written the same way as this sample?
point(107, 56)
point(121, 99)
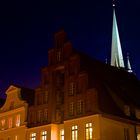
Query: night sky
point(27, 31)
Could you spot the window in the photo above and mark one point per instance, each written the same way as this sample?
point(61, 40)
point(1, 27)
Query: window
point(33, 136)
point(3, 123)
point(10, 123)
point(46, 97)
point(138, 136)
point(45, 114)
point(75, 132)
point(126, 134)
point(71, 108)
point(89, 131)
point(72, 88)
point(62, 134)
point(44, 135)
point(18, 120)
point(80, 107)
point(16, 137)
point(40, 116)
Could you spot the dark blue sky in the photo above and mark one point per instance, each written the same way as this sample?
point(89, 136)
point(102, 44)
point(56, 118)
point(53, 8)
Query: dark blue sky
point(27, 30)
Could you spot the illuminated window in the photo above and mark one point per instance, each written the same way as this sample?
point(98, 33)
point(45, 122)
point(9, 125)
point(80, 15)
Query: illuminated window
point(75, 132)
point(18, 120)
point(44, 135)
point(71, 108)
point(89, 131)
point(16, 137)
point(3, 123)
point(10, 123)
point(62, 134)
point(138, 136)
point(80, 107)
point(33, 136)
point(72, 88)
point(45, 114)
point(126, 134)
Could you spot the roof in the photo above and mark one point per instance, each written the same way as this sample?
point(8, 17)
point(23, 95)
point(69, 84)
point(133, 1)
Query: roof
point(119, 80)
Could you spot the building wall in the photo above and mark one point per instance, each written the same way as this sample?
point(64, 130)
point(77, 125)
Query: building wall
point(14, 133)
point(81, 123)
point(52, 132)
point(116, 130)
point(13, 116)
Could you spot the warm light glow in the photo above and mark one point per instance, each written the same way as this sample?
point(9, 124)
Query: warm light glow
point(3, 122)
point(75, 132)
point(138, 136)
point(33, 136)
point(89, 131)
point(44, 135)
point(16, 137)
point(10, 123)
point(62, 134)
point(17, 120)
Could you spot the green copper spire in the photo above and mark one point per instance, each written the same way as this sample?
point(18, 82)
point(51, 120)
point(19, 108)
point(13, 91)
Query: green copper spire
point(116, 51)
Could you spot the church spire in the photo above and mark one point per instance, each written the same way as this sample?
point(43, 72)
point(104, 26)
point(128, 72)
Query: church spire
point(129, 69)
point(116, 51)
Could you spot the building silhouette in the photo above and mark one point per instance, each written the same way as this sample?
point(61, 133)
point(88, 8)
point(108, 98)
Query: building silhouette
point(79, 98)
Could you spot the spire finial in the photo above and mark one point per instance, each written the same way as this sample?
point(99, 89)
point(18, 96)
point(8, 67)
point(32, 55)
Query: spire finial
point(128, 64)
point(113, 3)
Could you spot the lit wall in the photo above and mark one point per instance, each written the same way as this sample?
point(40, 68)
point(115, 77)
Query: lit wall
point(51, 132)
point(81, 124)
point(13, 116)
point(116, 130)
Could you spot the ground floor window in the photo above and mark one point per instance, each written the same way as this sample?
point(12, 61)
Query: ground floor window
point(62, 134)
point(138, 136)
point(33, 136)
point(44, 135)
point(89, 130)
point(75, 132)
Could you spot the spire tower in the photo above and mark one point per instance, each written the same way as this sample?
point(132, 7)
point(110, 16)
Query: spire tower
point(129, 69)
point(116, 51)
